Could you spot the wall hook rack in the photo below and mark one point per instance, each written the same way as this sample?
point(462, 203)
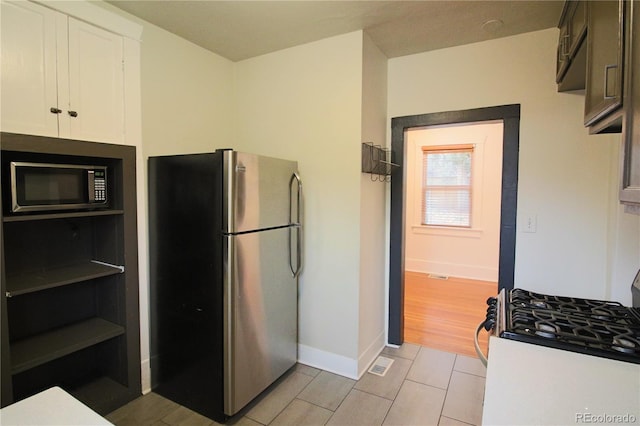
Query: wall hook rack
point(376, 160)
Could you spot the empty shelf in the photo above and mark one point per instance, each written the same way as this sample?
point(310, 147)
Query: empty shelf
point(29, 282)
point(40, 349)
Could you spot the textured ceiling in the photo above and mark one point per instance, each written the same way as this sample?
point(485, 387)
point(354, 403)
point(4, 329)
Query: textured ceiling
point(241, 29)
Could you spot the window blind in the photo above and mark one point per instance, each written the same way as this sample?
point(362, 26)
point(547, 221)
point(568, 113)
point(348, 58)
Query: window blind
point(447, 185)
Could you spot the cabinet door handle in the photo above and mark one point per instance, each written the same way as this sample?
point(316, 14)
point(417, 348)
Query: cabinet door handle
point(565, 44)
point(606, 80)
point(73, 113)
point(55, 110)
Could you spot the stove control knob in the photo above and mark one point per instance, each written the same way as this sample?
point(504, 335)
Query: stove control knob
point(492, 312)
point(489, 324)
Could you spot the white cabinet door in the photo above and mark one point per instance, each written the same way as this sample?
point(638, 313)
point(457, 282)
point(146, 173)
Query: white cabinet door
point(51, 61)
point(96, 87)
point(28, 81)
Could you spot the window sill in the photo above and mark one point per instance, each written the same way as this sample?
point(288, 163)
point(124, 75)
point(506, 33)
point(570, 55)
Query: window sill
point(445, 231)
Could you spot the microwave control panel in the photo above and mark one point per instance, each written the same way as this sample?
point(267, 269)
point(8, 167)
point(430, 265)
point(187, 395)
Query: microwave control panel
point(98, 185)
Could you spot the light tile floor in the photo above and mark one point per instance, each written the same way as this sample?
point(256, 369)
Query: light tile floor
point(423, 386)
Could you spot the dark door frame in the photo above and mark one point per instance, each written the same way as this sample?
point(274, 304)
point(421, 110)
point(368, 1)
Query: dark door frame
point(510, 116)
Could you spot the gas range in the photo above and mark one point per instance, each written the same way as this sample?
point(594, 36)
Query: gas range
point(593, 327)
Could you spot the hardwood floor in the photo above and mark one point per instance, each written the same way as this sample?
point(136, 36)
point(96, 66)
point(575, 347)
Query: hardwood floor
point(444, 313)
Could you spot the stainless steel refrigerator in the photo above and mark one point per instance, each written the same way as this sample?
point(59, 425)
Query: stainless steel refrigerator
point(225, 238)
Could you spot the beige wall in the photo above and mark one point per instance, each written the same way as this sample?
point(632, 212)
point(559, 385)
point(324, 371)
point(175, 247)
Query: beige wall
point(567, 178)
point(372, 303)
point(458, 252)
point(316, 103)
point(304, 104)
point(187, 96)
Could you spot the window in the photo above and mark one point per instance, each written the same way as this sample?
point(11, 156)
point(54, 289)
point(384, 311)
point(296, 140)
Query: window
point(446, 185)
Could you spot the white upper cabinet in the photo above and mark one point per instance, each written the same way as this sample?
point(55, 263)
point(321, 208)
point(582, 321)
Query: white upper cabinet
point(28, 74)
point(61, 77)
point(95, 84)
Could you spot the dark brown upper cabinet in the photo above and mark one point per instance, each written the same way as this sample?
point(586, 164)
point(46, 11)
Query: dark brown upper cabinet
point(571, 55)
point(605, 66)
point(610, 43)
point(630, 179)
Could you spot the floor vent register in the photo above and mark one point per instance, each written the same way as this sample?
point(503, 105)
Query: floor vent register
point(438, 276)
point(381, 366)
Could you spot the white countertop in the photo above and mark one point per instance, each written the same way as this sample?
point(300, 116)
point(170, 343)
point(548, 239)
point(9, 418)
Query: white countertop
point(529, 384)
point(51, 407)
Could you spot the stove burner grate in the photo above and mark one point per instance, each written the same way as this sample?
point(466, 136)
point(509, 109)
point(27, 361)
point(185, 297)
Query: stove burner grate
point(595, 327)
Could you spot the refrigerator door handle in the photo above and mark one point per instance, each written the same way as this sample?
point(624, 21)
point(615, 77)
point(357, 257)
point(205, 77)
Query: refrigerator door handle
point(297, 224)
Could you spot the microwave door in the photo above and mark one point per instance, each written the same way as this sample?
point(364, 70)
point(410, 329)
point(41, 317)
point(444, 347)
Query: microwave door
point(42, 187)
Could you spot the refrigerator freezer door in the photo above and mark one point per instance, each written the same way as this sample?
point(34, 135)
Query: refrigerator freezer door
point(260, 314)
point(259, 192)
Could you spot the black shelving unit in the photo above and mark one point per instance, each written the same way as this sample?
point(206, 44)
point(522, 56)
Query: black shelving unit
point(28, 282)
point(45, 347)
point(69, 308)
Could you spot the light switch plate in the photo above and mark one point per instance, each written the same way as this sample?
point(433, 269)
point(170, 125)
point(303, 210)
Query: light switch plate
point(530, 224)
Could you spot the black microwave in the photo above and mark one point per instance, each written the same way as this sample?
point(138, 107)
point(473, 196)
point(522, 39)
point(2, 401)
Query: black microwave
point(38, 187)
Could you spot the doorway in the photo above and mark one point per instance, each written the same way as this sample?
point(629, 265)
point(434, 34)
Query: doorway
point(452, 215)
point(510, 117)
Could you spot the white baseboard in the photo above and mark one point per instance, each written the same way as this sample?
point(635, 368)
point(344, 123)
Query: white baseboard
point(474, 272)
point(328, 361)
point(370, 354)
point(339, 364)
point(145, 373)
